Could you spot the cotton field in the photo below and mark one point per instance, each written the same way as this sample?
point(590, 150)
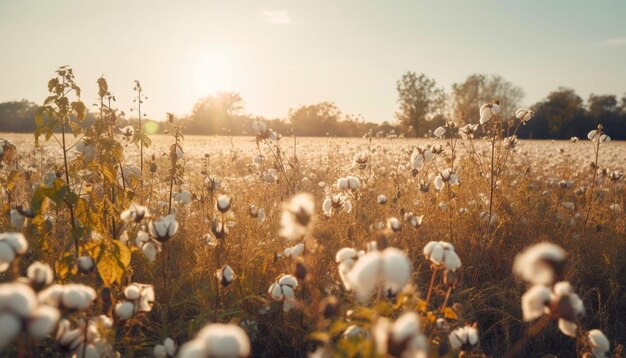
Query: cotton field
point(469, 243)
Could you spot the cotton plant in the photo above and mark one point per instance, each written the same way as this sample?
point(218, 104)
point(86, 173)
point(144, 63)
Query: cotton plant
point(402, 338)
point(464, 338)
point(86, 338)
point(139, 297)
point(12, 245)
point(543, 266)
point(217, 340)
point(349, 183)
point(294, 251)
point(284, 291)
point(339, 202)
point(297, 216)
point(346, 258)
point(447, 176)
point(166, 349)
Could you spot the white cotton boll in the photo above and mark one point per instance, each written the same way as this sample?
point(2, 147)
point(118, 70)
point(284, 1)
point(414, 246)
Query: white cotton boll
point(22, 300)
point(439, 132)
point(7, 255)
point(345, 254)
point(39, 273)
point(132, 292)
point(288, 280)
point(51, 295)
point(364, 276)
point(193, 349)
point(354, 183)
point(537, 263)
point(457, 338)
point(142, 237)
point(438, 182)
point(297, 250)
point(150, 251)
point(223, 203)
point(76, 296)
point(43, 321)
point(289, 297)
point(344, 269)
point(454, 179)
point(17, 240)
point(396, 268)
point(567, 328)
point(327, 206)
point(85, 263)
point(562, 288)
point(485, 113)
point(342, 184)
point(534, 302)
point(10, 326)
point(147, 298)
point(124, 310)
point(225, 340)
point(592, 134)
point(18, 221)
point(170, 346)
point(275, 292)
point(452, 261)
point(159, 351)
point(437, 254)
point(600, 344)
point(472, 335)
point(405, 327)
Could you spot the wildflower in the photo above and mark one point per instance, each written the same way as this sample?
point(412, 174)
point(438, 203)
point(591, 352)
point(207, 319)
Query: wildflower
point(403, 338)
point(283, 290)
point(442, 253)
point(439, 132)
point(164, 228)
point(297, 216)
point(524, 114)
point(600, 345)
point(225, 275)
point(540, 264)
point(446, 176)
point(338, 201)
point(390, 267)
point(464, 338)
point(11, 245)
point(135, 213)
point(167, 349)
point(217, 340)
point(346, 258)
point(139, 298)
point(223, 203)
point(39, 274)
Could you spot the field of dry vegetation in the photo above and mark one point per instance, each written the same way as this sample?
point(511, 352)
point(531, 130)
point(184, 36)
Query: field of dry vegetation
point(275, 246)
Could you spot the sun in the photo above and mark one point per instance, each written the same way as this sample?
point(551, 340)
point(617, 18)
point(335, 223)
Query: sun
point(212, 72)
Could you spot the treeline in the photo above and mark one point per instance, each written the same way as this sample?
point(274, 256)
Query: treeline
point(422, 107)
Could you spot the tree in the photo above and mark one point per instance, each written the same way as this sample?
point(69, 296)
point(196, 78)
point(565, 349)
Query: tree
point(560, 115)
point(216, 114)
point(316, 120)
point(420, 101)
point(479, 88)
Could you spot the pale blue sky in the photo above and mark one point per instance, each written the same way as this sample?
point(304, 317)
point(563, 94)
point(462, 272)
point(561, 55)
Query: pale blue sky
point(282, 54)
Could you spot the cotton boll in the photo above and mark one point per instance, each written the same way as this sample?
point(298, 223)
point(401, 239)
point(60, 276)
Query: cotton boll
point(7, 255)
point(147, 298)
point(396, 267)
point(39, 274)
point(150, 250)
point(225, 340)
point(124, 310)
point(51, 295)
point(567, 328)
point(85, 264)
point(364, 276)
point(43, 321)
point(17, 241)
point(170, 346)
point(288, 280)
point(289, 297)
point(77, 296)
point(10, 326)
point(22, 300)
point(194, 349)
point(534, 302)
point(275, 292)
point(600, 344)
point(18, 221)
point(159, 351)
point(132, 292)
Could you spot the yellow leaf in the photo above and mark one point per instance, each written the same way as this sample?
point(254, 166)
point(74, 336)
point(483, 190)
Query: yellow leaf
point(450, 313)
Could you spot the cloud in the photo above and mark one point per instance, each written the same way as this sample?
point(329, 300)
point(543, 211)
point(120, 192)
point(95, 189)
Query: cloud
point(278, 17)
point(613, 42)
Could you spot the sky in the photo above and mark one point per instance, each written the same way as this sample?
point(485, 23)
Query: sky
point(284, 54)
